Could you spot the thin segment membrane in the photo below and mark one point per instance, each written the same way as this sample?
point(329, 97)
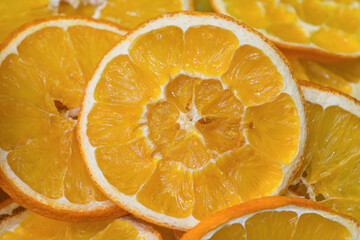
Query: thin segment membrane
point(196, 128)
point(41, 89)
point(266, 225)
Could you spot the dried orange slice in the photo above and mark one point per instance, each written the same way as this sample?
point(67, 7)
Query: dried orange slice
point(28, 225)
point(43, 69)
point(331, 171)
point(343, 76)
point(280, 218)
point(127, 13)
point(315, 28)
point(189, 114)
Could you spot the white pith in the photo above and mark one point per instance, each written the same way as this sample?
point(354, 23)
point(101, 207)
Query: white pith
point(307, 27)
point(11, 48)
point(184, 21)
point(350, 225)
point(9, 224)
point(327, 99)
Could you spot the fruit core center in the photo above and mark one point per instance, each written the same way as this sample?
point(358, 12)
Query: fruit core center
point(196, 121)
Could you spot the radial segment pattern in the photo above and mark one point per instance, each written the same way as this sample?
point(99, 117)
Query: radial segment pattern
point(192, 120)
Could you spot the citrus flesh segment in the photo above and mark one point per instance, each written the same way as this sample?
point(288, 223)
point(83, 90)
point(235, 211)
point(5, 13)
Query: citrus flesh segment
point(43, 71)
point(343, 76)
point(276, 218)
point(242, 77)
point(192, 124)
point(328, 29)
point(27, 225)
point(330, 173)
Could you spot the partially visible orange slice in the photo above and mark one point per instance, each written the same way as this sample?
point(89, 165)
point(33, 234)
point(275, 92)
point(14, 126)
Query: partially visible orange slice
point(343, 76)
point(315, 28)
point(127, 13)
point(44, 67)
point(29, 225)
point(331, 171)
point(280, 218)
point(189, 114)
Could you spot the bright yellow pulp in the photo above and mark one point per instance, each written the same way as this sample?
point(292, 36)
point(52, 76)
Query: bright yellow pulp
point(15, 13)
point(334, 25)
point(127, 13)
point(40, 93)
point(283, 225)
point(343, 76)
point(333, 159)
point(198, 148)
point(34, 226)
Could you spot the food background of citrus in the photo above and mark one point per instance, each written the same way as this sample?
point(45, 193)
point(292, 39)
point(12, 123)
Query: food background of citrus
point(343, 76)
point(44, 68)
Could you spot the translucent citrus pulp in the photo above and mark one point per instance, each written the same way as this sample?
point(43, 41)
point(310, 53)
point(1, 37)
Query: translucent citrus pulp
point(43, 70)
point(127, 13)
point(331, 171)
point(313, 26)
point(343, 76)
point(171, 121)
point(276, 218)
point(29, 225)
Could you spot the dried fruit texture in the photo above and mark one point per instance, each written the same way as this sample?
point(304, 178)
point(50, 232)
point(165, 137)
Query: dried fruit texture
point(28, 225)
point(126, 13)
point(329, 27)
point(178, 130)
point(343, 76)
point(331, 172)
point(276, 218)
point(15, 13)
point(42, 80)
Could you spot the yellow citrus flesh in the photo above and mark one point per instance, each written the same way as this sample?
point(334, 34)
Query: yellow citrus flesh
point(169, 132)
point(283, 225)
point(126, 13)
point(343, 76)
point(276, 218)
point(29, 225)
point(130, 13)
point(332, 26)
point(202, 5)
point(332, 160)
point(16, 13)
point(41, 86)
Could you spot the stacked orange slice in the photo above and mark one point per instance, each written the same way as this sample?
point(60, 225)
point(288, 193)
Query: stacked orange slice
point(189, 114)
point(44, 67)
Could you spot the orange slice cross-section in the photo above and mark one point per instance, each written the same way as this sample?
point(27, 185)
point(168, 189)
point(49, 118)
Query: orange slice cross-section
point(172, 133)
